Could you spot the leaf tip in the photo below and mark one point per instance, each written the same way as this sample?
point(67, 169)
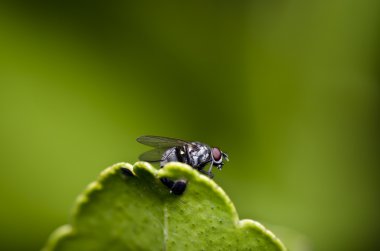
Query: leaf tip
point(251, 225)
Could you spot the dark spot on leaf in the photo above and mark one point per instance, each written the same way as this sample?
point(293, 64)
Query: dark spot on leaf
point(126, 172)
point(167, 182)
point(179, 187)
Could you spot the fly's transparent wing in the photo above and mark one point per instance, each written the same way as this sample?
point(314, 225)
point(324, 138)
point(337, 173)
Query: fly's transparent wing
point(154, 155)
point(160, 142)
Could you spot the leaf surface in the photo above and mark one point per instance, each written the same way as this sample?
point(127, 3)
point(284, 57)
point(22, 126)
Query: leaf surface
point(128, 208)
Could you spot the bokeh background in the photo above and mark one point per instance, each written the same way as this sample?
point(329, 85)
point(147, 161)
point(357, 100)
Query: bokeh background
point(289, 88)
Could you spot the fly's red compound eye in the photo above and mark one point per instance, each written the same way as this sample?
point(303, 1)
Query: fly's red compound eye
point(216, 154)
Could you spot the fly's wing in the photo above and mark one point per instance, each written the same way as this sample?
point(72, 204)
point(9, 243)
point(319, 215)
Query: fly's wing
point(154, 155)
point(160, 142)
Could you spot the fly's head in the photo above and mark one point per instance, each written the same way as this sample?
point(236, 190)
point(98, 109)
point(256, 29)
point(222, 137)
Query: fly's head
point(217, 157)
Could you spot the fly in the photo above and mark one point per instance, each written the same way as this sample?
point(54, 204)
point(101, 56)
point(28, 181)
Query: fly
point(195, 154)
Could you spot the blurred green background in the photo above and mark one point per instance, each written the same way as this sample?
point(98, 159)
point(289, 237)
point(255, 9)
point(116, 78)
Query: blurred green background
point(290, 89)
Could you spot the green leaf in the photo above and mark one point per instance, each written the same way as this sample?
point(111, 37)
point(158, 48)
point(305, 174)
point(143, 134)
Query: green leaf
point(137, 212)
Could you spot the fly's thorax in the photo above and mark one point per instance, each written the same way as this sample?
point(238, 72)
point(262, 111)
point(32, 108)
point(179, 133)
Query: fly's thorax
point(199, 154)
point(195, 154)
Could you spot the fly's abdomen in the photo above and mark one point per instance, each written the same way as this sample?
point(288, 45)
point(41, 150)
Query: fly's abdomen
point(177, 153)
point(168, 156)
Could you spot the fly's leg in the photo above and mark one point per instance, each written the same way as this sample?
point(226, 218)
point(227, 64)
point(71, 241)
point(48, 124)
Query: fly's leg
point(208, 173)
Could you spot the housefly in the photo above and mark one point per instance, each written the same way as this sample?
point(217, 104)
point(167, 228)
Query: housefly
point(195, 154)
